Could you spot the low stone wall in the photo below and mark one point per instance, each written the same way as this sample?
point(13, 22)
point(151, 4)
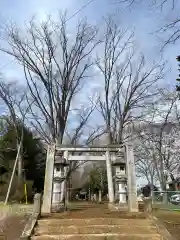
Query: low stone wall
point(32, 221)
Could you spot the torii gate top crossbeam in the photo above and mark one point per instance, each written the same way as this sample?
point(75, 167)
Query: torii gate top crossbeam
point(102, 148)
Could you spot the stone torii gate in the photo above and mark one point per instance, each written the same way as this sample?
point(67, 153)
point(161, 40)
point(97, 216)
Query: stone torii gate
point(103, 153)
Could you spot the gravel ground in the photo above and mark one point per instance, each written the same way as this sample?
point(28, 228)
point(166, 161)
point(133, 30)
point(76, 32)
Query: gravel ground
point(11, 227)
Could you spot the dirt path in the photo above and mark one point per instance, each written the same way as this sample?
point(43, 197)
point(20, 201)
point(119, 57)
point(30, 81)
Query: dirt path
point(86, 210)
point(11, 227)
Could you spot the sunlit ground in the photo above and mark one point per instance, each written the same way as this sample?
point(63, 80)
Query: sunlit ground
point(171, 220)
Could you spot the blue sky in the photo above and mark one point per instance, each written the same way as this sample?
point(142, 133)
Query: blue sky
point(140, 17)
point(144, 20)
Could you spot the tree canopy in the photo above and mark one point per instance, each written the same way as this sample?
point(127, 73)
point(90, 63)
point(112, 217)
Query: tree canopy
point(97, 181)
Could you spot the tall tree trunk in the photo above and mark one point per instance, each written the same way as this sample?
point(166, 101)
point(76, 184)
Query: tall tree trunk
point(20, 165)
point(19, 194)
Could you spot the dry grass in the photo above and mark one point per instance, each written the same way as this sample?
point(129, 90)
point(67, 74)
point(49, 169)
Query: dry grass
point(171, 220)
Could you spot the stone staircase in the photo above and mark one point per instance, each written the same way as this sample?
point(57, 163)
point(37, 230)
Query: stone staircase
point(96, 229)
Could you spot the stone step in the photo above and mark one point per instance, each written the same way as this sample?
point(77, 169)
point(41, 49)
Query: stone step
point(95, 221)
point(85, 205)
point(99, 237)
point(95, 229)
point(92, 205)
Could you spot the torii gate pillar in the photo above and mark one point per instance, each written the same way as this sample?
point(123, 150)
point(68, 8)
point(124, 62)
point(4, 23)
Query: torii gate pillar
point(132, 190)
point(48, 182)
point(131, 179)
point(109, 177)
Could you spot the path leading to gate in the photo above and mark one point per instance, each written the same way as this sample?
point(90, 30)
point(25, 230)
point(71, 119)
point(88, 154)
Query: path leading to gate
point(95, 222)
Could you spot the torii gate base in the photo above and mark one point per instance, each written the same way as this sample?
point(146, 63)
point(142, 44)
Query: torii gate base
point(108, 156)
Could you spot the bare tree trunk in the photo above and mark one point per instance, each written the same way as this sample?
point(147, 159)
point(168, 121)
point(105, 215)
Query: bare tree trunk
point(20, 165)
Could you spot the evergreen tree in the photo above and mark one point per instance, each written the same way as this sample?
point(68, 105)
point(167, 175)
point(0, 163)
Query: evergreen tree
point(97, 180)
point(33, 153)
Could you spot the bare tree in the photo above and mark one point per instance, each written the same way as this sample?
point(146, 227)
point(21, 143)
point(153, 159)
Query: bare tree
point(157, 3)
point(129, 87)
point(164, 141)
point(157, 147)
point(172, 28)
point(13, 96)
point(161, 155)
point(144, 160)
point(56, 66)
point(74, 136)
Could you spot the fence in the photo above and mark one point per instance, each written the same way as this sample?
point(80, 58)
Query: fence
point(166, 200)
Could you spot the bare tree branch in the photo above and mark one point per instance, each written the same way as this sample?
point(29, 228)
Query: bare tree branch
point(157, 146)
point(13, 96)
point(128, 88)
point(172, 28)
point(55, 66)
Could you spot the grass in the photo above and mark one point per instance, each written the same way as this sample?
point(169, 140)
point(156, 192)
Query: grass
point(16, 208)
point(166, 206)
point(171, 220)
